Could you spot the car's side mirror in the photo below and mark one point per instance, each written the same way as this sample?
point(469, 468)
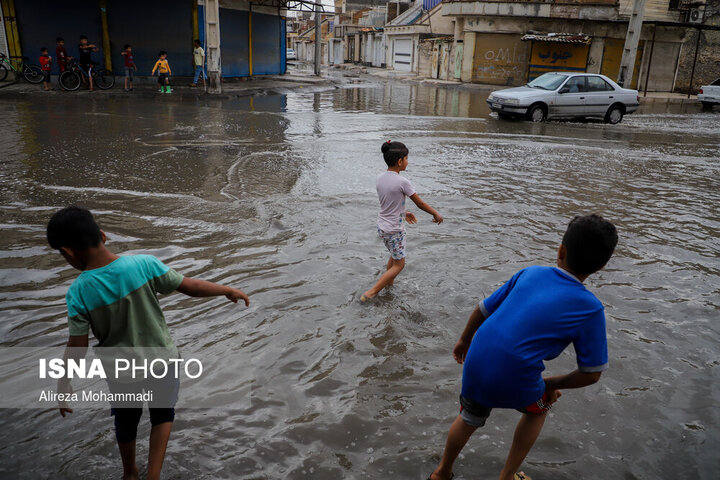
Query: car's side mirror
point(564, 90)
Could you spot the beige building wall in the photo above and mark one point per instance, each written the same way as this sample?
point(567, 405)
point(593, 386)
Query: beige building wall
point(654, 10)
point(483, 34)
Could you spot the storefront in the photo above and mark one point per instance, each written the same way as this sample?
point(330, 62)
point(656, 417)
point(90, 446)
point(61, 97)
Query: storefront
point(151, 27)
point(557, 53)
point(500, 59)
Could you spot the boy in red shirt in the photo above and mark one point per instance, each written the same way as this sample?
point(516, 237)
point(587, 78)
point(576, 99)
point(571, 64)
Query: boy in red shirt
point(130, 67)
point(61, 54)
point(46, 65)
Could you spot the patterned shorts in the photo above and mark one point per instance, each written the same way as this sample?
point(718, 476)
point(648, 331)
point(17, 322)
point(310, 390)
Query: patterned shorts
point(475, 414)
point(395, 243)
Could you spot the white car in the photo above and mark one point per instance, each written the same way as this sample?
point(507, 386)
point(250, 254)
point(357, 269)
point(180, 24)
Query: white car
point(290, 54)
point(566, 95)
point(710, 94)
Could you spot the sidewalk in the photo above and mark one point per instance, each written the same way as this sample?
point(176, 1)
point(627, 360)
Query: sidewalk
point(148, 87)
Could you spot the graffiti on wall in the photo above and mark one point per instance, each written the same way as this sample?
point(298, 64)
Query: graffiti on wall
point(500, 59)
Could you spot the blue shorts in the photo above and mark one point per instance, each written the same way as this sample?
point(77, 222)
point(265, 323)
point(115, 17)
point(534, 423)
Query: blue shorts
point(395, 243)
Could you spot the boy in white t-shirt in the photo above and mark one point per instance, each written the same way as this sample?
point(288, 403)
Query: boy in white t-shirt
point(392, 188)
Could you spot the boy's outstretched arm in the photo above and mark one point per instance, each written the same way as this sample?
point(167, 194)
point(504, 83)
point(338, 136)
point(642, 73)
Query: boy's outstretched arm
point(77, 346)
point(193, 287)
point(437, 218)
point(461, 347)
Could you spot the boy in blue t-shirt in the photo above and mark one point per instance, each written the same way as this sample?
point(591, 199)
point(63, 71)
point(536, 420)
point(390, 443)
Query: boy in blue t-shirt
point(530, 319)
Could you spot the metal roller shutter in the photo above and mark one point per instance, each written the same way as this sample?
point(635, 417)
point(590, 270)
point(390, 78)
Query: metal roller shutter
point(402, 55)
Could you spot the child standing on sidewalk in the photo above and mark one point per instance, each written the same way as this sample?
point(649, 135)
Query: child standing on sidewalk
point(61, 54)
point(392, 188)
point(86, 50)
point(199, 61)
point(163, 68)
point(46, 66)
point(531, 319)
point(116, 297)
point(130, 67)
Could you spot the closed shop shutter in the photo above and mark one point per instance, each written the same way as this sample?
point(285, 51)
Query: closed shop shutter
point(612, 55)
point(557, 57)
point(500, 59)
point(268, 50)
point(402, 55)
point(41, 21)
point(143, 25)
point(662, 68)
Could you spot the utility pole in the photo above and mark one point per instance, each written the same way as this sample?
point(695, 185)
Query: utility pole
point(632, 40)
point(212, 44)
point(318, 39)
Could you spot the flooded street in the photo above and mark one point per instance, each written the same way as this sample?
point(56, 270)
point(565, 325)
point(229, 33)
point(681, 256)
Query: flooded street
point(276, 195)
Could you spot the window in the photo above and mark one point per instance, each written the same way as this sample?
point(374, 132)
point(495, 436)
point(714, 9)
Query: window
point(548, 81)
point(597, 84)
point(576, 85)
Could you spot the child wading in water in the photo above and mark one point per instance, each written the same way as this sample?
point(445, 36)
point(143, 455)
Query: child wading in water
point(392, 188)
point(116, 296)
point(531, 319)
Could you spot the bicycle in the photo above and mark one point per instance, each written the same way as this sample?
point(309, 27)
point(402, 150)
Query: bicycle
point(31, 73)
point(74, 76)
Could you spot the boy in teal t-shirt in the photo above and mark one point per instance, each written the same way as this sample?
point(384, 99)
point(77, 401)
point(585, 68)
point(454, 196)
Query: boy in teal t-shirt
point(116, 297)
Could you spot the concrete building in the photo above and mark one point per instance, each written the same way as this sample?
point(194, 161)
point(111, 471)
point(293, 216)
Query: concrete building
point(372, 53)
point(252, 35)
point(706, 42)
point(508, 42)
point(304, 43)
point(358, 31)
point(403, 35)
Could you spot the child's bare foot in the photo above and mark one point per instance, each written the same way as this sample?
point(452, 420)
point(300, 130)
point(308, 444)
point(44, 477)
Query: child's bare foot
point(367, 296)
point(438, 476)
point(131, 476)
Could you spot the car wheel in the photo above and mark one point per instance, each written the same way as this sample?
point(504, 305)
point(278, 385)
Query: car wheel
point(537, 113)
point(614, 115)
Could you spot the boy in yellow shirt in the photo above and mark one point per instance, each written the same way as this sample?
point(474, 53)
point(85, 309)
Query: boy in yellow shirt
point(163, 68)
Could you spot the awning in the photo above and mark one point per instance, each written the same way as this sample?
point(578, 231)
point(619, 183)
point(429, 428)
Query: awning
point(574, 38)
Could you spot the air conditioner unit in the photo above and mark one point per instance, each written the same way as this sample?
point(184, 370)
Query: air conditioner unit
point(696, 15)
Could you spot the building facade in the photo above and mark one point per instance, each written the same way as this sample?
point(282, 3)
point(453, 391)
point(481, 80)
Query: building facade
point(404, 34)
point(512, 42)
point(252, 36)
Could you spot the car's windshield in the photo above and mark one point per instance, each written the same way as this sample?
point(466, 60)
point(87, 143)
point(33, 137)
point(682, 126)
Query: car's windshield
point(548, 81)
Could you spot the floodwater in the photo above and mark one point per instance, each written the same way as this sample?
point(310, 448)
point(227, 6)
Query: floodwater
point(275, 194)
